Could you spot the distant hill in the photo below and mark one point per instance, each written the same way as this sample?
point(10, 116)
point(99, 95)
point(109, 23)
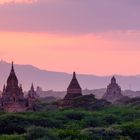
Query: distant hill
point(97, 92)
point(59, 81)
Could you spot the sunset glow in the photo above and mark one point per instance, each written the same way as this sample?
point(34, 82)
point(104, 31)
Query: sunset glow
point(69, 69)
point(51, 36)
point(83, 53)
point(17, 1)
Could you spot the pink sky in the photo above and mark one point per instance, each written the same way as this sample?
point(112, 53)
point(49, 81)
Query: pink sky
point(17, 1)
point(106, 52)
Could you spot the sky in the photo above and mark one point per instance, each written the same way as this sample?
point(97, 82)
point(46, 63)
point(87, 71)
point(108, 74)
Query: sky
point(100, 37)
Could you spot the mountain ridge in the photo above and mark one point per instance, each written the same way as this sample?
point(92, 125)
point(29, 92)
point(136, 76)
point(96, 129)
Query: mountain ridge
point(60, 80)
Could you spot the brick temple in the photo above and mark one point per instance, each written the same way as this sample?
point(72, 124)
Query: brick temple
point(13, 99)
point(113, 92)
point(73, 91)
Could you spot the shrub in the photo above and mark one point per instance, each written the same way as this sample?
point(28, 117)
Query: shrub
point(11, 137)
point(10, 124)
point(72, 135)
point(131, 129)
point(35, 133)
point(74, 115)
point(92, 121)
point(111, 119)
point(102, 133)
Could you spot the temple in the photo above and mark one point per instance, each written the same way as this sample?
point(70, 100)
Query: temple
point(32, 96)
point(73, 91)
point(32, 93)
point(113, 92)
point(13, 99)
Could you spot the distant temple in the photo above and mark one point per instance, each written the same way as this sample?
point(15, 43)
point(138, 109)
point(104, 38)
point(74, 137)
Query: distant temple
point(32, 93)
point(73, 91)
point(113, 92)
point(32, 96)
point(13, 99)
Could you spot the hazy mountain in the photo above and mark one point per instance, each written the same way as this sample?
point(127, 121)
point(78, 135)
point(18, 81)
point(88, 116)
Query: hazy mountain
point(59, 81)
point(97, 92)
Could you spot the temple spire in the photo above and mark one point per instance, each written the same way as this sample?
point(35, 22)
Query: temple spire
point(74, 82)
point(32, 87)
point(74, 75)
point(12, 64)
point(12, 69)
point(12, 79)
point(73, 91)
point(113, 80)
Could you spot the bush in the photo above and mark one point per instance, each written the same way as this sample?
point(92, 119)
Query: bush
point(46, 122)
point(35, 133)
point(102, 133)
point(72, 135)
point(131, 129)
point(111, 119)
point(74, 115)
point(11, 137)
point(10, 124)
point(123, 123)
point(92, 121)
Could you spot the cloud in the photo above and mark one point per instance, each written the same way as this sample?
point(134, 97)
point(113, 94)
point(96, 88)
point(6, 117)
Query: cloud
point(71, 16)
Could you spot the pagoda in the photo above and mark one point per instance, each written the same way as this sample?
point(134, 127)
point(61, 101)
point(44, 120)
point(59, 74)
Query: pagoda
point(113, 92)
point(32, 93)
point(12, 96)
point(73, 91)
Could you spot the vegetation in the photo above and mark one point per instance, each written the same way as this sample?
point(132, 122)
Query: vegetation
point(112, 123)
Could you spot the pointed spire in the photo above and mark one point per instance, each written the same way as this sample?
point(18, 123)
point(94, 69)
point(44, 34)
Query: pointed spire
point(74, 75)
point(12, 64)
point(32, 87)
point(12, 68)
point(32, 93)
point(12, 76)
point(74, 82)
point(113, 80)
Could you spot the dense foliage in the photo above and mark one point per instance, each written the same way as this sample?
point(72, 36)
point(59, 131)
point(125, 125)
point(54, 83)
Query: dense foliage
point(113, 123)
